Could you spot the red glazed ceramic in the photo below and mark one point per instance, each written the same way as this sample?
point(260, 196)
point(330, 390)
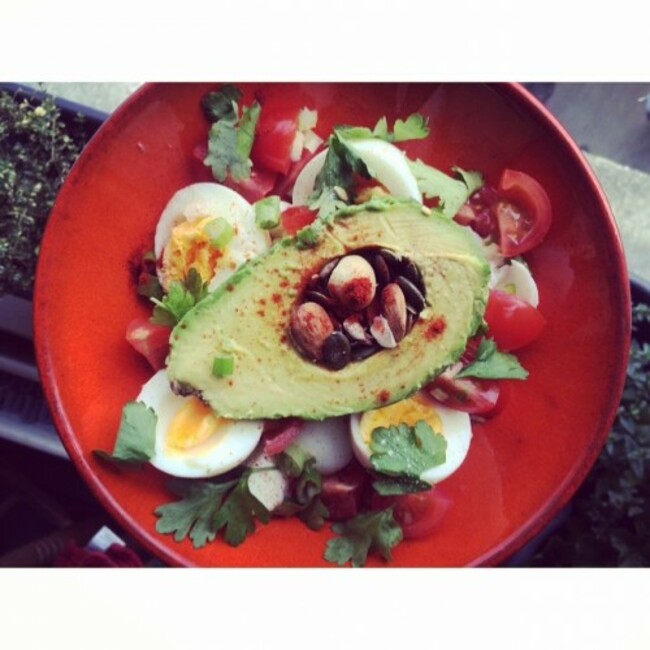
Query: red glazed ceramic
point(523, 465)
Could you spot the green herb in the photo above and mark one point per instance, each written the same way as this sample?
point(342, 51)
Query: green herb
point(415, 127)
point(451, 192)
point(406, 451)
point(399, 485)
point(182, 297)
point(37, 151)
point(231, 138)
point(222, 104)
point(492, 364)
point(609, 518)
point(223, 366)
point(372, 531)
point(298, 465)
point(220, 232)
point(267, 213)
point(207, 507)
point(136, 437)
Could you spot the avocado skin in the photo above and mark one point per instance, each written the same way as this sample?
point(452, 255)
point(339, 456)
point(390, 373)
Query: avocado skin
point(248, 318)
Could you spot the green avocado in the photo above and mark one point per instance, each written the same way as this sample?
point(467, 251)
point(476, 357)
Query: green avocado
point(247, 319)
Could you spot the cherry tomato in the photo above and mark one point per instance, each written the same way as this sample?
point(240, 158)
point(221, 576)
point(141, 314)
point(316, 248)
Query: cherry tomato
point(418, 514)
point(471, 395)
point(274, 137)
point(285, 183)
point(342, 491)
point(151, 341)
point(296, 218)
point(523, 215)
point(255, 187)
point(513, 322)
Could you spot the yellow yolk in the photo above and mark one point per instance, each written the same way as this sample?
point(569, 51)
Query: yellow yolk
point(189, 246)
point(193, 424)
point(408, 411)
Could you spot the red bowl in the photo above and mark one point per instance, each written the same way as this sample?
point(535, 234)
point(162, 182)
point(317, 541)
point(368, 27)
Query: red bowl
point(523, 465)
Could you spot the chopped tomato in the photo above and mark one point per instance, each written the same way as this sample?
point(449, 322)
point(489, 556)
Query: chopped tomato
point(281, 435)
point(513, 322)
point(342, 491)
point(255, 187)
point(274, 136)
point(523, 215)
point(471, 395)
point(285, 183)
point(296, 218)
point(151, 341)
point(418, 514)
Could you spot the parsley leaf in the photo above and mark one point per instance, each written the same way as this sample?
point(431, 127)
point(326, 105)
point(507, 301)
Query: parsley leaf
point(182, 297)
point(366, 532)
point(415, 127)
point(452, 192)
point(297, 464)
point(194, 514)
point(399, 485)
point(207, 507)
point(492, 364)
point(406, 451)
point(136, 436)
point(238, 512)
point(222, 104)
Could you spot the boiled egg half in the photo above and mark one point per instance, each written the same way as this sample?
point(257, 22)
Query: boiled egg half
point(385, 162)
point(208, 227)
point(454, 425)
point(191, 441)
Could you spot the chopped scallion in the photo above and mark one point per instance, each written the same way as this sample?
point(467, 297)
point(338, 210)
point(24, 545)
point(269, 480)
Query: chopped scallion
point(267, 213)
point(220, 232)
point(223, 366)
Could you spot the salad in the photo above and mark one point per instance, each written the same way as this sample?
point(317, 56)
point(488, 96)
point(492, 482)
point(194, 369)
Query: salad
point(328, 319)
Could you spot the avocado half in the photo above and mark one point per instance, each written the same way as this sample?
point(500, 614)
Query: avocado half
point(248, 317)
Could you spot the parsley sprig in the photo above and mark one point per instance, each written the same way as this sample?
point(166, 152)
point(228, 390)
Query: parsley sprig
point(231, 136)
point(182, 297)
point(207, 507)
point(492, 364)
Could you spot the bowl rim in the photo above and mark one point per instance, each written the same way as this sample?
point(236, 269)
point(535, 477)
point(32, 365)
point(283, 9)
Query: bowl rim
point(525, 533)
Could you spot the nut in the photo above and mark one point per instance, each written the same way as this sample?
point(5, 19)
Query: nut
point(310, 328)
point(353, 326)
point(394, 308)
point(382, 333)
point(353, 283)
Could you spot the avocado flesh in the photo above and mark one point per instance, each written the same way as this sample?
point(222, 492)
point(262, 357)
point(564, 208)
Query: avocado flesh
point(248, 319)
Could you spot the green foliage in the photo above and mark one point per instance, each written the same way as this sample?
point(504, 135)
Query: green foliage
point(609, 524)
point(492, 364)
point(371, 531)
point(37, 151)
point(182, 297)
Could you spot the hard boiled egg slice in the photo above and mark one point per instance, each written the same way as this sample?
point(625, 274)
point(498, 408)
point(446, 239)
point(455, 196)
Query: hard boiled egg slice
point(516, 278)
point(453, 425)
point(185, 237)
point(384, 161)
point(191, 441)
point(328, 441)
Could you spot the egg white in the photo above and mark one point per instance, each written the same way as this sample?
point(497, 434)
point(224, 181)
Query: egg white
point(202, 200)
point(517, 276)
point(227, 448)
point(328, 441)
point(384, 161)
point(456, 429)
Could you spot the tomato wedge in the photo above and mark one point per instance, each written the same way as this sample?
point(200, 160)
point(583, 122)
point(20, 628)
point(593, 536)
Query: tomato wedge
point(513, 322)
point(523, 215)
point(151, 341)
point(418, 514)
point(281, 435)
point(296, 218)
point(470, 395)
point(274, 136)
point(342, 491)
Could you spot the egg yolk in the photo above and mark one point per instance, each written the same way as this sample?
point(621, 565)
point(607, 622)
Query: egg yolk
point(193, 424)
point(408, 411)
point(189, 246)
